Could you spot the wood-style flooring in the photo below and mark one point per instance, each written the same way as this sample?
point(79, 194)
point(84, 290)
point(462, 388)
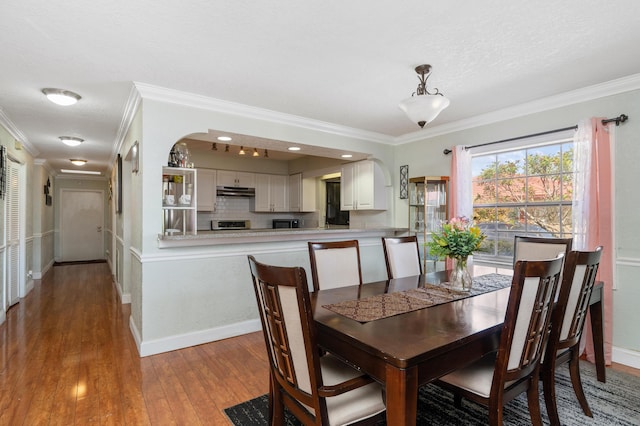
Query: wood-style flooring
point(67, 357)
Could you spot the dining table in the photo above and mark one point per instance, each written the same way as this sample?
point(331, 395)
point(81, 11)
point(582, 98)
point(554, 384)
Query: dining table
point(404, 351)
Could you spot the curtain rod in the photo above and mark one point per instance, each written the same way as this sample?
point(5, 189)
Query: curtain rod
point(620, 119)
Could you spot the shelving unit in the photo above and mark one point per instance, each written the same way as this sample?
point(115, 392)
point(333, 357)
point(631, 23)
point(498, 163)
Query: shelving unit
point(179, 216)
point(428, 209)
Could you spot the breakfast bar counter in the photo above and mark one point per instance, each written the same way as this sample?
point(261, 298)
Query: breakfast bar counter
point(205, 238)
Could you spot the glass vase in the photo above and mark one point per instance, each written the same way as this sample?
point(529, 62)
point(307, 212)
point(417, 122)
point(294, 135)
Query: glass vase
point(460, 277)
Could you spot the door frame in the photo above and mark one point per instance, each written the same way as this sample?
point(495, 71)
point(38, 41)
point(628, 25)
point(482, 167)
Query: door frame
point(22, 246)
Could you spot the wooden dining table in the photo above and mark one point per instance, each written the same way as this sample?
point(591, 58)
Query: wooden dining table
point(408, 350)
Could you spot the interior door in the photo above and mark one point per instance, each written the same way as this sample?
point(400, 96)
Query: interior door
point(81, 236)
point(13, 233)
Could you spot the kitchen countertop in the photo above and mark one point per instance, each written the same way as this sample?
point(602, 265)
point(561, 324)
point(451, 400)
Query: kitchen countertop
point(271, 235)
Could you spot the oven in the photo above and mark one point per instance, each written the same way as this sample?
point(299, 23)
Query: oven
point(229, 225)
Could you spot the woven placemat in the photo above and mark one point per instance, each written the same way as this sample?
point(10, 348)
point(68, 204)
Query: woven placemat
point(387, 305)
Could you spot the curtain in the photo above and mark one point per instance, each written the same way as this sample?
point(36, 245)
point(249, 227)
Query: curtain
point(461, 198)
point(593, 214)
point(461, 191)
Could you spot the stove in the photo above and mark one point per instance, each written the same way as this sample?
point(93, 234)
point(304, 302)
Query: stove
point(228, 225)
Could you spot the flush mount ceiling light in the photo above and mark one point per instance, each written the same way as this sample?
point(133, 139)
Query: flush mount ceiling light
point(224, 138)
point(61, 97)
point(70, 140)
point(425, 106)
point(78, 162)
point(346, 156)
point(80, 172)
point(294, 148)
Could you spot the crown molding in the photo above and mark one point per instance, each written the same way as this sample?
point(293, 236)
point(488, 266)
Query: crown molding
point(130, 108)
point(17, 134)
point(162, 94)
point(584, 94)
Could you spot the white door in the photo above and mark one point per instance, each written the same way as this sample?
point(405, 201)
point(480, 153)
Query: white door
point(81, 235)
point(13, 233)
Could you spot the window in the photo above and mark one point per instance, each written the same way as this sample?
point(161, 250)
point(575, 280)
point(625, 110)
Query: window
point(526, 190)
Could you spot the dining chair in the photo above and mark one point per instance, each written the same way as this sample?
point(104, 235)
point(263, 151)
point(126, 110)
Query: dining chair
point(539, 248)
point(500, 376)
point(568, 320)
point(335, 264)
point(318, 390)
point(402, 256)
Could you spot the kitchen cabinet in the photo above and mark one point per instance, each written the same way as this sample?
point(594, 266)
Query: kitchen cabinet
point(302, 193)
point(206, 190)
point(428, 209)
point(362, 186)
point(237, 179)
point(179, 201)
point(272, 193)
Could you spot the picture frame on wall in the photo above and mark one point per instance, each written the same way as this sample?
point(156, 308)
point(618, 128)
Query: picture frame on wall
point(118, 185)
point(404, 182)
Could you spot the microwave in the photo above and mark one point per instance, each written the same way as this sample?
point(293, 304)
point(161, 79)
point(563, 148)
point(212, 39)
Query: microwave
point(286, 223)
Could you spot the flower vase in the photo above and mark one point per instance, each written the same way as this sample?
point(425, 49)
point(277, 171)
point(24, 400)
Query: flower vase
point(460, 277)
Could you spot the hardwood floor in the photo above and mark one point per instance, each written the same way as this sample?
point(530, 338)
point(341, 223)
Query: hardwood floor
point(67, 358)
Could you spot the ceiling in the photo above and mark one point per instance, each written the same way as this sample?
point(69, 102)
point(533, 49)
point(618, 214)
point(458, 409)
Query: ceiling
point(345, 63)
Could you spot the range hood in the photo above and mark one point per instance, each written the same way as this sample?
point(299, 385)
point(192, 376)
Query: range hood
point(235, 191)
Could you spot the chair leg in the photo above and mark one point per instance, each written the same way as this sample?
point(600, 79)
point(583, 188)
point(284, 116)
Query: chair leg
point(457, 400)
point(534, 401)
point(574, 371)
point(549, 386)
point(495, 414)
point(277, 411)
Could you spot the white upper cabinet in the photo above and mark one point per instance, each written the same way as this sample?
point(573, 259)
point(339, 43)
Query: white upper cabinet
point(237, 179)
point(362, 186)
point(302, 194)
point(206, 190)
point(272, 193)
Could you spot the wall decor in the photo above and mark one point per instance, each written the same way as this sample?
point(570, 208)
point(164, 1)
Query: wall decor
point(118, 185)
point(135, 161)
point(48, 200)
point(404, 182)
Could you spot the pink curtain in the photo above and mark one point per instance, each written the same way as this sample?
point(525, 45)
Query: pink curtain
point(599, 231)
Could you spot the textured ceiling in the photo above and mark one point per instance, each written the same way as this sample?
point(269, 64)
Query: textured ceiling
point(347, 63)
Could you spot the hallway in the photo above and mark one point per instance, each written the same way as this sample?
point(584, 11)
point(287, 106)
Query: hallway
point(67, 357)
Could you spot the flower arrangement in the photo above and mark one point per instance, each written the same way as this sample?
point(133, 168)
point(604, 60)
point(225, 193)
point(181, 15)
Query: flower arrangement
point(458, 239)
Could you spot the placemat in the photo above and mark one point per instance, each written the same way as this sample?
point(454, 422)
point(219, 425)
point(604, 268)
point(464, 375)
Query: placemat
point(390, 304)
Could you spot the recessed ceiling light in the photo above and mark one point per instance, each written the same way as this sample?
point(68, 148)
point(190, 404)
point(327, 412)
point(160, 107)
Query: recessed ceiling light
point(346, 156)
point(61, 97)
point(294, 148)
point(78, 162)
point(224, 138)
point(80, 172)
point(70, 140)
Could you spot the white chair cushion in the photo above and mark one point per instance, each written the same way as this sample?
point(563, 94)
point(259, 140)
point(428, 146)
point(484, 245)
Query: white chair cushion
point(403, 259)
point(352, 406)
point(475, 378)
point(337, 267)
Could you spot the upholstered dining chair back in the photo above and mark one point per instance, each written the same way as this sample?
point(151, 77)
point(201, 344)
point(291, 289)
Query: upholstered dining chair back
point(402, 256)
point(497, 378)
point(578, 281)
point(539, 248)
point(316, 389)
point(335, 264)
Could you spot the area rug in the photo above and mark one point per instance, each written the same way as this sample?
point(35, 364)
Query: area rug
point(616, 402)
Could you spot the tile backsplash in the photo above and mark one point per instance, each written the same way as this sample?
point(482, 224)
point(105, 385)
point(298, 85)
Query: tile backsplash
point(238, 208)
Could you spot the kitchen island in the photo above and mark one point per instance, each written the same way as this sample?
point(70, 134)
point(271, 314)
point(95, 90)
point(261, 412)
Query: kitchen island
point(218, 237)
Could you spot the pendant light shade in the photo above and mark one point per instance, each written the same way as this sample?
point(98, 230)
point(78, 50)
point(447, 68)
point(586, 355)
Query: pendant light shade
point(424, 106)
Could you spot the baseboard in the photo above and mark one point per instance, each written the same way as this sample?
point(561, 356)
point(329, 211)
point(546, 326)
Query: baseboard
point(37, 275)
point(626, 357)
point(173, 343)
point(125, 298)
